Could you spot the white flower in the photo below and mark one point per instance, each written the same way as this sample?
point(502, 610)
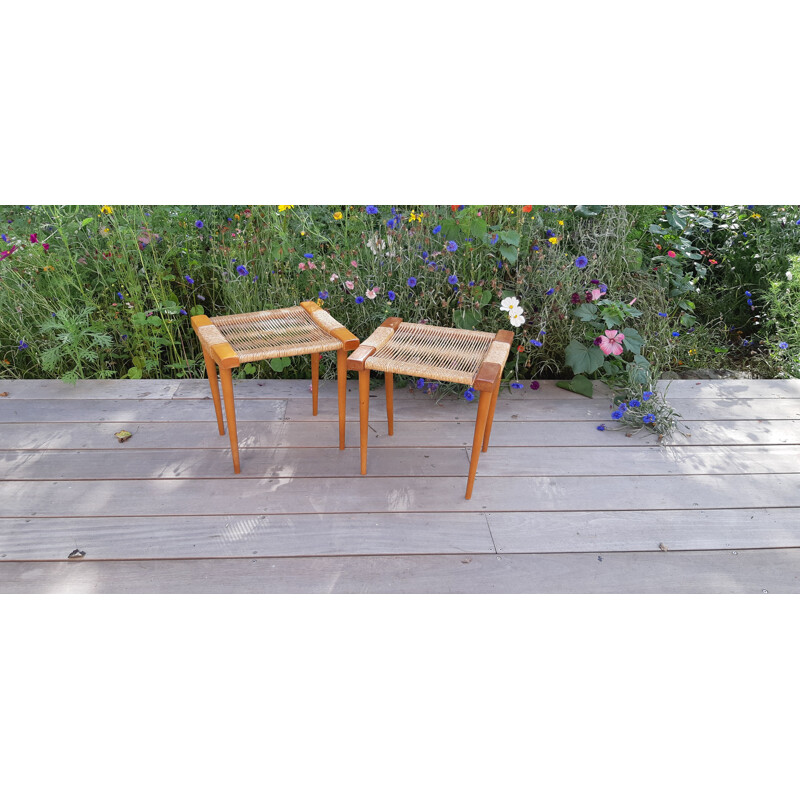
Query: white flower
point(788, 276)
point(509, 303)
point(515, 317)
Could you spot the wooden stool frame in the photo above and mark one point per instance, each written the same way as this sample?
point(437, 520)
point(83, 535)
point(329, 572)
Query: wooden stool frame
point(328, 335)
point(485, 379)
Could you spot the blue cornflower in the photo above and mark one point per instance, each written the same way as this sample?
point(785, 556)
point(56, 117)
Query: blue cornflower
point(23, 345)
point(494, 239)
point(603, 287)
point(420, 383)
point(198, 223)
point(747, 294)
point(372, 209)
point(581, 262)
point(536, 343)
point(550, 291)
point(469, 395)
point(308, 255)
point(390, 223)
point(242, 270)
point(601, 427)
point(634, 403)
point(412, 282)
point(391, 295)
point(750, 207)
point(432, 263)
point(437, 229)
point(189, 280)
point(451, 247)
point(549, 233)
point(542, 332)
point(120, 295)
point(471, 283)
point(4, 238)
point(798, 222)
point(783, 345)
point(622, 407)
point(424, 253)
point(124, 335)
point(675, 334)
point(323, 295)
point(536, 247)
point(359, 299)
point(433, 387)
point(183, 312)
point(661, 314)
point(617, 414)
point(452, 279)
point(649, 418)
point(646, 395)
point(749, 302)
point(714, 214)
point(516, 385)
point(744, 234)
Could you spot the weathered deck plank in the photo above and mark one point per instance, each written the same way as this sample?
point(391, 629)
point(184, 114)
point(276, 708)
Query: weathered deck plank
point(751, 572)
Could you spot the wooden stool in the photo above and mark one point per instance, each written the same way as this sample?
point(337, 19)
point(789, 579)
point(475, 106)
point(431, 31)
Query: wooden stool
point(473, 358)
point(238, 338)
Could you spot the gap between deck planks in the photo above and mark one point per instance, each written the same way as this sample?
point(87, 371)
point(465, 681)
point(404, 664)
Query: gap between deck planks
point(753, 572)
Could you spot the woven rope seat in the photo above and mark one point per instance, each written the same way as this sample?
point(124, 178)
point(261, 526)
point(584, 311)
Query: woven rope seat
point(427, 351)
point(236, 339)
point(475, 358)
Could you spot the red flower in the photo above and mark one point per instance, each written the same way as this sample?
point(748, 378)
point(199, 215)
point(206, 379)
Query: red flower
point(34, 238)
point(46, 246)
point(527, 209)
point(520, 349)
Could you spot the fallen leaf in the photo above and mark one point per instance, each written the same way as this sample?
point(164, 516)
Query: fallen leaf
point(3, 394)
point(123, 436)
point(77, 554)
point(662, 546)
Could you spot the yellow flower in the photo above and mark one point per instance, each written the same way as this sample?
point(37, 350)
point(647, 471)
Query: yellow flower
point(106, 210)
point(755, 216)
point(236, 216)
point(337, 214)
point(561, 222)
point(553, 240)
point(283, 208)
point(302, 233)
point(413, 216)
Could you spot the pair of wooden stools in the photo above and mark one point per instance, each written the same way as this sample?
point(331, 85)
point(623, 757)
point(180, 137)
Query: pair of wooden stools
point(473, 358)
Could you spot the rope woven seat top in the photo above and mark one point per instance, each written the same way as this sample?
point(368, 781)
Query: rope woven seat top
point(428, 351)
point(271, 334)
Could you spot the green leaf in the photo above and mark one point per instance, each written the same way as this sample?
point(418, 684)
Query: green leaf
point(154, 320)
point(588, 211)
point(486, 297)
point(580, 384)
point(641, 361)
point(138, 361)
point(580, 358)
point(249, 368)
point(657, 229)
point(134, 373)
point(139, 318)
point(194, 310)
point(509, 253)
point(277, 364)
point(633, 341)
point(585, 312)
point(466, 318)
point(675, 221)
point(510, 237)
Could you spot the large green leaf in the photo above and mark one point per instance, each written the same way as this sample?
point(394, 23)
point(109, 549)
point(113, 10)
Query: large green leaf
point(486, 297)
point(466, 318)
point(633, 341)
point(509, 253)
point(588, 211)
point(510, 237)
point(580, 384)
point(581, 358)
point(586, 312)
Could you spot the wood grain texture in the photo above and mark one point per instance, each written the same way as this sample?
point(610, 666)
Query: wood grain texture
point(358, 493)
point(240, 536)
point(748, 572)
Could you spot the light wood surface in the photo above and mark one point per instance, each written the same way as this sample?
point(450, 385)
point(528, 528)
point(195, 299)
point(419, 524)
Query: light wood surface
point(165, 511)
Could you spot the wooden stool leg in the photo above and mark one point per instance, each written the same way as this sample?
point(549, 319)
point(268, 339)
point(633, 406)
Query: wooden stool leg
point(491, 415)
point(341, 379)
point(211, 369)
point(314, 383)
point(480, 426)
point(363, 414)
point(389, 376)
point(230, 413)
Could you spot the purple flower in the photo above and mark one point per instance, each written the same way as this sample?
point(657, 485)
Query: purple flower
point(595, 282)
point(308, 255)
point(323, 295)
point(603, 287)
point(391, 295)
point(372, 209)
point(471, 283)
point(634, 403)
point(390, 223)
point(437, 229)
point(23, 345)
point(661, 314)
point(420, 383)
point(516, 385)
point(534, 385)
point(469, 395)
point(451, 247)
point(199, 297)
point(783, 345)
point(617, 414)
point(183, 313)
point(359, 299)
point(675, 334)
point(412, 282)
point(550, 291)
point(452, 279)
point(581, 262)
point(198, 223)
point(646, 395)
point(749, 302)
point(576, 298)
point(601, 427)
point(536, 343)
point(189, 280)
point(4, 238)
point(649, 418)
point(242, 270)
point(748, 294)
point(120, 295)
point(493, 239)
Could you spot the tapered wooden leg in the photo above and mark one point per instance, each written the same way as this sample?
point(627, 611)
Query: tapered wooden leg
point(363, 414)
point(211, 369)
point(480, 427)
point(314, 383)
point(230, 413)
point(341, 379)
point(491, 415)
point(389, 376)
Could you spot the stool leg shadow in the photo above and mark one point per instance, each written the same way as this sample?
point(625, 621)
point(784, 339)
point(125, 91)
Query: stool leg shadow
point(484, 403)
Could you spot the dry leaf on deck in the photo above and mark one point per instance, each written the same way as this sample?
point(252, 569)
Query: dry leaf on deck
point(123, 436)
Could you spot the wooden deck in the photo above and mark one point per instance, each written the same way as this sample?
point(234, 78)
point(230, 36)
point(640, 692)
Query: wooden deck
point(558, 506)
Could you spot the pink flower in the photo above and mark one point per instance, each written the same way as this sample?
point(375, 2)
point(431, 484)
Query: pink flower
point(302, 266)
point(350, 285)
point(371, 294)
point(34, 238)
point(353, 264)
point(334, 277)
point(312, 265)
point(671, 253)
point(610, 343)
point(46, 246)
point(597, 294)
point(633, 301)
